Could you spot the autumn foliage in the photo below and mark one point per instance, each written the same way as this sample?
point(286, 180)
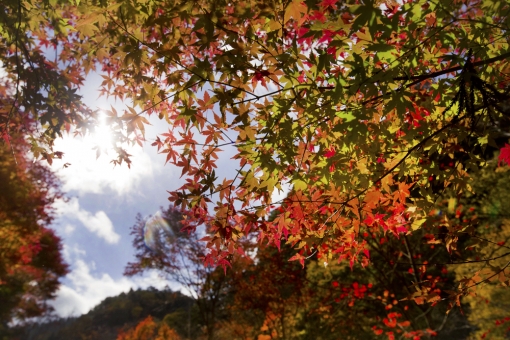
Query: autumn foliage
point(148, 329)
point(369, 111)
point(373, 117)
point(30, 253)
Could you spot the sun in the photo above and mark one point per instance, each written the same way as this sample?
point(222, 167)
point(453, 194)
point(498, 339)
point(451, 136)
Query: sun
point(88, 162)
point(101, 138)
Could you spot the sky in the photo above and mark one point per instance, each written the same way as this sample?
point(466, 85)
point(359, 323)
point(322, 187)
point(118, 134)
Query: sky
point(102, 203)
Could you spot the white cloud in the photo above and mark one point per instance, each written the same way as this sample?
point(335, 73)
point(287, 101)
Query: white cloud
point(99, 223)
point(70, 252)
point(69, 228)
point(88, 290)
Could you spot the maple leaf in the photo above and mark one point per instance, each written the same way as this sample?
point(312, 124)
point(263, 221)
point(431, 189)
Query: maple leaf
point(504, 155)
point(260, 76)
point(300, 258)
point(302, 77)
point(319, 16)
point(328, 3)
point(158, 143)
point(329, 153)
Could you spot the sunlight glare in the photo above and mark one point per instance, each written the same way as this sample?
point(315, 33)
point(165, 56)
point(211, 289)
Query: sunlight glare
point(102, 136)
point(88, 162)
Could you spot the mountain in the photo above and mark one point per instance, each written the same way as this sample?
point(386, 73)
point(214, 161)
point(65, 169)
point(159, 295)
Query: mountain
point(115, 314)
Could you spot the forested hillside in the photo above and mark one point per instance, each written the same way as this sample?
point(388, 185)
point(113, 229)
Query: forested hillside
point(115, 314)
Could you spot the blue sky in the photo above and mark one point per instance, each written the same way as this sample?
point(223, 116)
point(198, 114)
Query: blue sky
point(103, 203)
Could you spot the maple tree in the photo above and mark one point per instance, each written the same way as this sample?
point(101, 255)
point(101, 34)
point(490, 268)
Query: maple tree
point(372, 111)
point(369, 114)
point(277, 299)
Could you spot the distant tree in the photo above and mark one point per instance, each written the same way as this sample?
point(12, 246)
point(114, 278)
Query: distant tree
point(162, 245)
point(148, 329)
point(267, 298)
point(31, 262)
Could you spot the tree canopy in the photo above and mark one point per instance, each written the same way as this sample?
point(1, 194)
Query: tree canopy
point(374, 113)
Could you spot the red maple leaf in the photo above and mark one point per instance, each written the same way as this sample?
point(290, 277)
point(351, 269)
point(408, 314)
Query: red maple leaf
point(302, 77)
point(329, 153)
point(504, 155)
point(259, 76)
point(327, 36)
point(328, 3)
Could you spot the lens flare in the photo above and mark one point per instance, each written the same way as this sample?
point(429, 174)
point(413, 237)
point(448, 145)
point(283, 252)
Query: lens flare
point(156, 231)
